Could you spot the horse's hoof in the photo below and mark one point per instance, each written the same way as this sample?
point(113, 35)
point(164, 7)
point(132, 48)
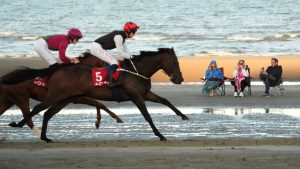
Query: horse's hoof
point(184, 117)
point(14, 124)
point(162, 138)
point(47, 140)
point(119, 121)
point(97, 125)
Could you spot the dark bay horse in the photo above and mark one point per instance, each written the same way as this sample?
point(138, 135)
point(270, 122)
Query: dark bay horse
point(135, 88)
point(20, 93)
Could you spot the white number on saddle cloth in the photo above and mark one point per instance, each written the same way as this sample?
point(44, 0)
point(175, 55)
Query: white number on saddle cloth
point(99, 77)
point(39, 81)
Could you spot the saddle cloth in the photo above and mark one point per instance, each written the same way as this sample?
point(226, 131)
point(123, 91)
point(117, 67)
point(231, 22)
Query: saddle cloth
point(41, 81)
point(100, 75)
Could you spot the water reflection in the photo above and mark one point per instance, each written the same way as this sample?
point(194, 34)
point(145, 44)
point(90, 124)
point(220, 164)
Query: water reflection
point(295, 112)
point(78, 124)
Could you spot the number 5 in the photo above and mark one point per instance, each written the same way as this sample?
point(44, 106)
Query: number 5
point(98, 77)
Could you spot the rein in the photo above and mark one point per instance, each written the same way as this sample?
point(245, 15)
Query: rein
point(136, 73)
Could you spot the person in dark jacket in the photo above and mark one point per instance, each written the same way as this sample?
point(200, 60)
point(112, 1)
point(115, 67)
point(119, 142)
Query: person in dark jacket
point(272, 76)
point(115, 39)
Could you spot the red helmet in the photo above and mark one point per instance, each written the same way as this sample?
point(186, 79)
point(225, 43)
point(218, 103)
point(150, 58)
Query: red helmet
point(75, 33)
point(130, 27)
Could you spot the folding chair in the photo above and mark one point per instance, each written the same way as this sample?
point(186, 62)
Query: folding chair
point(277, 90)
point(220, 90)
point(248, 80)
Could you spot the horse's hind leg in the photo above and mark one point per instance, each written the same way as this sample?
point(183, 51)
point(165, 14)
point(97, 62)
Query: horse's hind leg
point(26, 111)
point(36, 109)
point(4, 107)
point(150, 96)
point(54, 97)
point(98, 105)
point(24, 107)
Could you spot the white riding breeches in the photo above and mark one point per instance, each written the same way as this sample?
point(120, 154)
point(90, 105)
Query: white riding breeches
point(41, 47)
point(102, 54)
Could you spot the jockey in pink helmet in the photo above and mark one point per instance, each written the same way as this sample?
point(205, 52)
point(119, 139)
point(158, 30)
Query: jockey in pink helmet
point(58, 43)
point(115, 39)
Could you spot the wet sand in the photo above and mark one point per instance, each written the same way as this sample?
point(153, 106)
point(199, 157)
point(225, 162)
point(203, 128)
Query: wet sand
point(273, 154)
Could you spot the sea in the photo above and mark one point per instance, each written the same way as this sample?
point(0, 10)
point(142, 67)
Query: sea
point(192, 27)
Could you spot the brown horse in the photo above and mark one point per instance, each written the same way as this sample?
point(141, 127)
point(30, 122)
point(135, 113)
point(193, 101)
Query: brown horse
point(20, 93)
point(133, 87)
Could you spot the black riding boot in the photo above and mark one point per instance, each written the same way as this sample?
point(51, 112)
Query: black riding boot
point(112, 70)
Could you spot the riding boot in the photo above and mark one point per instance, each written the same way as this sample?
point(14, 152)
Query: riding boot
point(112, 82)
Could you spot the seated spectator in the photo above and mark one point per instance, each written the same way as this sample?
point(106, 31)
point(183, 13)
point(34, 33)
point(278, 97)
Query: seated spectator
point(213, 78)
point(272, 76)
point(240, 78)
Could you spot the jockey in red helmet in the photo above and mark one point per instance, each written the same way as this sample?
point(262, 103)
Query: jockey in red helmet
point(115, 39)
point(58, 43)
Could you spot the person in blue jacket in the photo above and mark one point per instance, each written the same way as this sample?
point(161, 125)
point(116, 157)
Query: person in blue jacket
point(213, 78)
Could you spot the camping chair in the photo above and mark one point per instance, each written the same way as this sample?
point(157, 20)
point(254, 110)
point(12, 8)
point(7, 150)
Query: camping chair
point(220, 90)
point(248, 80)
point(277, 90)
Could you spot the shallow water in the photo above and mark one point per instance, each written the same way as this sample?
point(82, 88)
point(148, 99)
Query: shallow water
point(191, 27)
point(207, 123)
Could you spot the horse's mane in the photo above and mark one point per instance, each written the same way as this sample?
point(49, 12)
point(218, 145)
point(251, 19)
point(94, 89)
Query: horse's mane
point(84, 55)
point(151, 53)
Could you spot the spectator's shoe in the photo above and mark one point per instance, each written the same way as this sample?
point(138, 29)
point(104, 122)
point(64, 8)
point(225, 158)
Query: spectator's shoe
point(241, 94)
point(265, 95)
point(235, 94)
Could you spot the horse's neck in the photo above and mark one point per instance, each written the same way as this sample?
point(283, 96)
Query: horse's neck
point(148, 65)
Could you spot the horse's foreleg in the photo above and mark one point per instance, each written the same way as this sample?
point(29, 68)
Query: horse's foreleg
point(150, 96)
point(98, 105)
point(48, 115)
point(98, 118)
point(140, 103)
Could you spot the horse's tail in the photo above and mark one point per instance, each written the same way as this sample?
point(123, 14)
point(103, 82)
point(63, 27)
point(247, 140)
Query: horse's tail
point(26, 73)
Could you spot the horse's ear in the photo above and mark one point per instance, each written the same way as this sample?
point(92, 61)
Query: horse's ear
point(173, 50)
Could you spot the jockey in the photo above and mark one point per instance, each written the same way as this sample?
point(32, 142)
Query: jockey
point(115, 39)
point(58, 43)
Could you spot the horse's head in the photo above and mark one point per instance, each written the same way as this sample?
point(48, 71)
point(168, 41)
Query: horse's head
point(170, 65)
point(87, 58)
